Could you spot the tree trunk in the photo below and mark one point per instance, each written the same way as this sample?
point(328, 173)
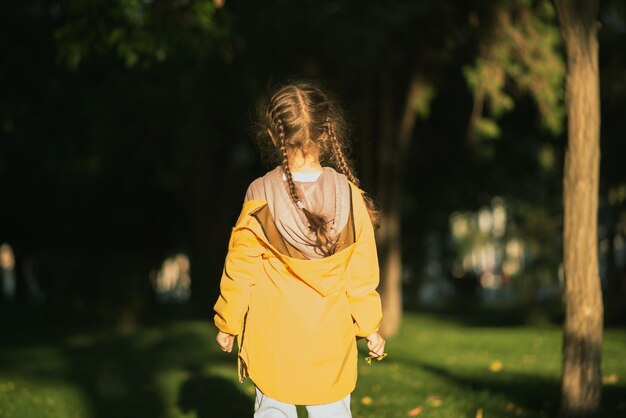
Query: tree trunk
point(581, 384)
point(394, 147)
point(388, 236)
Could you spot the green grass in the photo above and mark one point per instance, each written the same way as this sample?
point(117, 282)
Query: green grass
point(174, 369)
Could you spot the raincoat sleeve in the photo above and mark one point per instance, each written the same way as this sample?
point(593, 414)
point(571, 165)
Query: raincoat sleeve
point(363, 298)
point(241, 268)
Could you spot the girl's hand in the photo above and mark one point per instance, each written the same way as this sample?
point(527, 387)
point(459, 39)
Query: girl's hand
point(225, 341)
point(376, 344)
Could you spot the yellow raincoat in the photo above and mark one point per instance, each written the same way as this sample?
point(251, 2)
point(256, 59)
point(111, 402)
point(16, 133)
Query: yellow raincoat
point(297, 320)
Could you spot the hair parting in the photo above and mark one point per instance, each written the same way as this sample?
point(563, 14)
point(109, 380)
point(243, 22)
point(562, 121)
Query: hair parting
point(317, 223)
point(303, 118)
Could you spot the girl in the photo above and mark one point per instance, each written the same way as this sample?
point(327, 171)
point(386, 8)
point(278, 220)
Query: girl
point(299, 281)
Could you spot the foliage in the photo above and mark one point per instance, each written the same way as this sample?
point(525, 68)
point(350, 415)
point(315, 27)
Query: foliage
point(140, 31)
point(520, 52)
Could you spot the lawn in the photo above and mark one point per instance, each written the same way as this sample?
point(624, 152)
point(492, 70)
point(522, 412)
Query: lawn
point(436, 368)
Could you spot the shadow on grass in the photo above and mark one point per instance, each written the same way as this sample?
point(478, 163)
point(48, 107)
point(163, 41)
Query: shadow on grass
point(506, 315)
point(538, 396)
point(142, 373)
point(129, 376)
point(213, 397)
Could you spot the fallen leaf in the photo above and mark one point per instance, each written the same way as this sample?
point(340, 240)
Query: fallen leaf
point(479, 413)
point(366, 400)
point(610, 379)
point(415, 411)
point(6, 387)
point(434, 401)
point(495, 366)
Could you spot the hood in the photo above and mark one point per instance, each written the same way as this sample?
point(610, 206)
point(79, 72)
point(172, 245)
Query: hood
point(321, 274)
point(328, 196)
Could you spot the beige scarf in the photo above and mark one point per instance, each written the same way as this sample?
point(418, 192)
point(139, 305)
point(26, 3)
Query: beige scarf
point(328, 196)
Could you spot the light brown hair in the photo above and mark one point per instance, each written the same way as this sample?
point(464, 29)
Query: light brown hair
point(302, 118)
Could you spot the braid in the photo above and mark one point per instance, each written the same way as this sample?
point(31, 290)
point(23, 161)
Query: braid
point(280, 130)
point(317, 223)
point(303, 119)
point(338, 153)
point(344, 167)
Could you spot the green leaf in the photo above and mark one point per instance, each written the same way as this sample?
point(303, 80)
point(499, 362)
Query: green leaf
point(487, 128)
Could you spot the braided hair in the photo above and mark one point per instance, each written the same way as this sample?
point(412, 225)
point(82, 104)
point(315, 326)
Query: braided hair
point(301, 118)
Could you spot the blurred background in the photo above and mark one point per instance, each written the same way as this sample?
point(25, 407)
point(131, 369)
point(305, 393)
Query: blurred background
point(128, 126)
point(127, 143)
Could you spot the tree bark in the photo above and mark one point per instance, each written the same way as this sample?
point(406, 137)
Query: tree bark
point(581, 385)
point(394, 147)
point(388, 236)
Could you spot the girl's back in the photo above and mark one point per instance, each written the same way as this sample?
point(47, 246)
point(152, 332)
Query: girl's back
point(300, 278)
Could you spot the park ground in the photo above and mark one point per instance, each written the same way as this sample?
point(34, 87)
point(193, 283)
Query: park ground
point(437, 367)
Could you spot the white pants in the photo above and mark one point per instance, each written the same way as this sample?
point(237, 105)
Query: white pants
point(266, 407)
